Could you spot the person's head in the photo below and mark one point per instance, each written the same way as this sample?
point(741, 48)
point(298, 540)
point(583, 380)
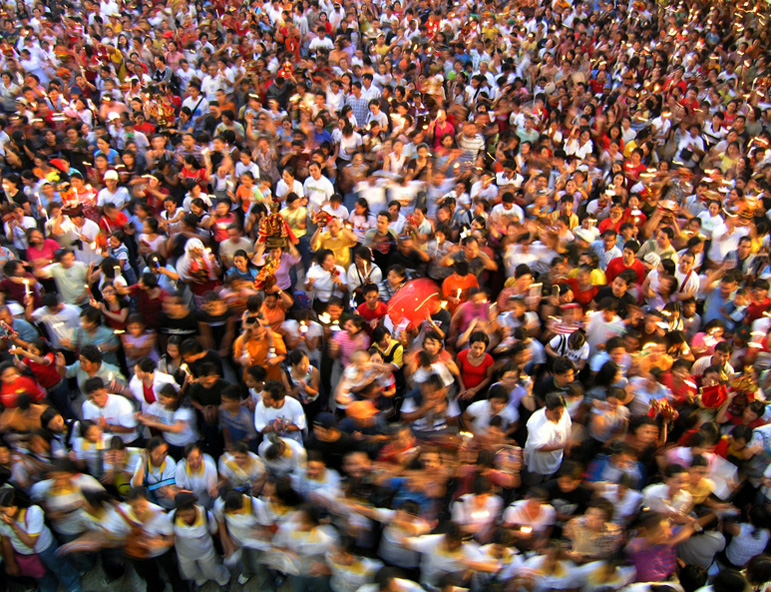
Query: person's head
point(157, 450)
point(274, 394)
point(563, 371)
point(555, 405)
point(96, 391)
point(729, 580)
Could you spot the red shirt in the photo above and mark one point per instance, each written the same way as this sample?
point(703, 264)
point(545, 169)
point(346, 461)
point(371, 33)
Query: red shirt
point(473, 375)
point(46, 375)
point(616, 266)
point(369, 314)
point(110, 225)
point(9, 393)
point(756, 309)
point(584, 297)
point(150, 308)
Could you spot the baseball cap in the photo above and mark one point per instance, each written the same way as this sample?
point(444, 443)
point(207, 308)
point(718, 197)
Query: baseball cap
point(325, 420)
point(113, 116)
point(111, 175)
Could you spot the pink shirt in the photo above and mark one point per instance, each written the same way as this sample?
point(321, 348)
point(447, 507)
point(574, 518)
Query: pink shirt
point(47, 252)
point(349, 345)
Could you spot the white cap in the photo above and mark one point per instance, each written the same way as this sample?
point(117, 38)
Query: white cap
point(111, 175)
point(112, 116)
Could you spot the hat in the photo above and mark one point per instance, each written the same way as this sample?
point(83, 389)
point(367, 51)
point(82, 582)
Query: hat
point(743, 333)
point(112, 116)
point(325, 420)
point(111, 175)
point(652, 259)
point(583, 234)
point(361, 410)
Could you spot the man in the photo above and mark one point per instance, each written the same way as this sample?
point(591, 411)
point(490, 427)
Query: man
point(687, 278)
point(150, 296)
point(661, 245)
point(628, 260)
point(317, 188)
point(118, 196)
point(197, 103)
point(278, 414)
point(548, 430)
point(70, 277)
point(236, 242)
point(470, 252)
point(606, 248)
point(60, 319)
point(337, 239)
point(719, 359)
point(113, 413)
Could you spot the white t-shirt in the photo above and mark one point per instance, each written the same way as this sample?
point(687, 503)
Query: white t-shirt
point(318, 192)
point(517, 514)
point(199, 483)
point(194, 541)
point(541, 432)
point(32, 522)
point(291, 412)
point(117, 411)
point(482, 414)
point(435, 560)
point(168, 417)
point(292, 461)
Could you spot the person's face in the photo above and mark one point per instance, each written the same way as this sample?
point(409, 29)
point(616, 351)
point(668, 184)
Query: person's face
point(195, 459)
point(477, 348)
point(382, 224)
point(99, 398)
point(720, 358)
point(554, 415)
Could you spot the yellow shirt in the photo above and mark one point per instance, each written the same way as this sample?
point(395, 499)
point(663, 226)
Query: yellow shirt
point(340, 246)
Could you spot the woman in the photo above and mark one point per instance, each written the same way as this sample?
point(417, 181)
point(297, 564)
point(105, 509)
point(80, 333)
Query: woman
point(395, 280)
point(28, 546)
point(156, 472)
point(310, 541)
point(41, 251)
point(302, 381)
point(197, 472)
point(476, 367)
point(362, 272)
point(198, 269)
point(176, 423)
point(361, 219)
point(114, 307)
point(151, 240)
point(325, 279)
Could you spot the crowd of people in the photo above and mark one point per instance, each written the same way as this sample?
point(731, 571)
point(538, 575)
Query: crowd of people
point(385, 296)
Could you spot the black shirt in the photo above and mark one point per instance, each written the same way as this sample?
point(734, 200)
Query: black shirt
point(208, 396)
point(185, 327)
point(624, 302)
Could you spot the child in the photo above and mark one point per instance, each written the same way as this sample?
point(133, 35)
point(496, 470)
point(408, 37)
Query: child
point(138, 341)
point(89, 450)
point(255, 381)
point(334, 207)
point(737, 310)
point(236, 421)
point(373, 310)
point(193, 530)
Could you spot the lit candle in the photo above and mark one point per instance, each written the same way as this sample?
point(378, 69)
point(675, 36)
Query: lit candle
point(27, 291)
point(459, 293)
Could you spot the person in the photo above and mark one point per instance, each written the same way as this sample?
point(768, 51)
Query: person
point(113, 413)
point(155, 474)
point(28, 546)
point(194, 527)
point(150, 551)
point(548, 431)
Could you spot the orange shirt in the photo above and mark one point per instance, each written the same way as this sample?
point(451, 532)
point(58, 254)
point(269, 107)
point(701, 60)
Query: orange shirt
point(258, 353)
point(452, 284)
